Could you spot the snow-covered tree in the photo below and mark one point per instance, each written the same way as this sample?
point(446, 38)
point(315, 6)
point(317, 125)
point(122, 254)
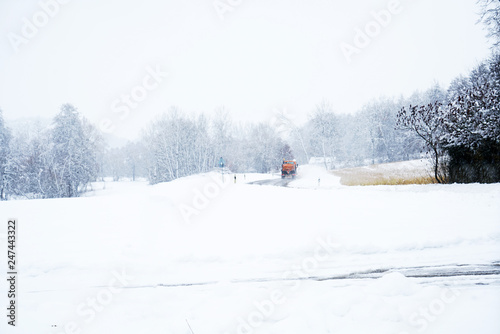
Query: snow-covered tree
point(381, 121)
point(221, 134)
point(28, 168)
point(5, 138)
point(355, 144)
point(266, 148)
point(472, 126)
point(323, 133)
point(426, 122)
point(289, 131)
point(462, 130)
point(490, 16)
point(135, 160)
point(177, 146)
point(458, 87)
point(286, 152)
point(74, 153)
point(386, 142)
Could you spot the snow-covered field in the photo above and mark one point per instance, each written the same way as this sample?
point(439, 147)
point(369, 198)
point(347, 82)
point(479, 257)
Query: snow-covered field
point(210, 256)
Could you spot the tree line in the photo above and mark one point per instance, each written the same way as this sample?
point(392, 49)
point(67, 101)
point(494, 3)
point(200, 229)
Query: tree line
point(59, 161)
point(457, 127)
point(462, 129)
point(64, 158)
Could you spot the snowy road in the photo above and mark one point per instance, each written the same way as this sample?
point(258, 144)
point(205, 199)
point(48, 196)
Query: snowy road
point(308, 177)
point(273, 182)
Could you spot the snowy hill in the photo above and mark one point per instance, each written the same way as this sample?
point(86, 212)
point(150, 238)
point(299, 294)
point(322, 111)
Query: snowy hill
point(228, 257)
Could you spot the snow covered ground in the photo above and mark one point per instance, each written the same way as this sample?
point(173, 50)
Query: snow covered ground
point(210, 256)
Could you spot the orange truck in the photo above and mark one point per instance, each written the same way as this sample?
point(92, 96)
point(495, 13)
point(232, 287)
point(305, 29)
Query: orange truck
point(289, 169)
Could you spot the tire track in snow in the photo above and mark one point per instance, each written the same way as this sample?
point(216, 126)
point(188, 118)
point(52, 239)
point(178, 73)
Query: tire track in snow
point(489, 271)
point(441, 271)
point(273, 182)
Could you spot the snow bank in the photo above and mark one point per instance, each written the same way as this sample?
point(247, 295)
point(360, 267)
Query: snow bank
point(239, 258)
point(315, 177)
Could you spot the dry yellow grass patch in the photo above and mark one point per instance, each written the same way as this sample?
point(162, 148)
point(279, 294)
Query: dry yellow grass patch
point(398, 173)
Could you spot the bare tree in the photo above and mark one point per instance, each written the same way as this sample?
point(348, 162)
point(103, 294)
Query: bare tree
point(425, 121)
point(220, 131)
point(286, 126)
point(177, 146)
point(324, 132)
point(490, 16)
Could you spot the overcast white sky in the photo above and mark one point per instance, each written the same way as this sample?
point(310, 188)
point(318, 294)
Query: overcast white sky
point(264, 55)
